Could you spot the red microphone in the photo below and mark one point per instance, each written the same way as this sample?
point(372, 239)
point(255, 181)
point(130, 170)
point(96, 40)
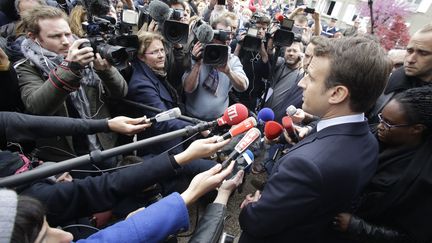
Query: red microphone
point(272, 130)
point(233, 115)
point(251, 136)
point(239, 128)
point(287, 123)
point(279, 17)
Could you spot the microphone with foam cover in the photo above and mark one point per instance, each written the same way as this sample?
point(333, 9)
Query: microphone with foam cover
point(265, 115)
point(291, 110)
point(279, 17)
point(233, 115)
point(289, 127)
point(204, 33)
point(239, 128)
point(159, 11)
point(272, 130)
point(167, 115)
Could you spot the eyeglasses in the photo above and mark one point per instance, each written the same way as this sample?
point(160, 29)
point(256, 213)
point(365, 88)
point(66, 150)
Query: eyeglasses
point(156, 52)
point(387, 125)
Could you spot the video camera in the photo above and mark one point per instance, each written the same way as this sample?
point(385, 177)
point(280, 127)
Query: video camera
point(252, 42)
point(112, 41)
point(284, 35)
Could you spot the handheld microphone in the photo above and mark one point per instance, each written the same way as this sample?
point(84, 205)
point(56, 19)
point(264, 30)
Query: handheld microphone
point(167, 115)
point(245, 160)
point(291, 110)
point(272, 130)
point(289, 127)
point(239, 128)
point(265, 115)
point(251, 136)
point(204, 33)
point(279, 17)
point(159, 11)
point(233, 115)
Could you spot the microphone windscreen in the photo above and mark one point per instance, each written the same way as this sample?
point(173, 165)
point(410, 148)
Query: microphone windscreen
point(291, 110)
point(266, 114)
point(243, 126)
point(279, 17)
point(287, 123)
point(159, 11)
point(250, 154)
point(204, 33)
point(272, 130)
point(234, 114)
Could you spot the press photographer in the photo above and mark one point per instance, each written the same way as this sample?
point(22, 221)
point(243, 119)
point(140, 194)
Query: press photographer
point(212, 75)
point(252, 52)
point(57, 78)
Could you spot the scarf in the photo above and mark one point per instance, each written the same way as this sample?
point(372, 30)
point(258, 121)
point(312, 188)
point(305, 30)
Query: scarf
point(46, 61)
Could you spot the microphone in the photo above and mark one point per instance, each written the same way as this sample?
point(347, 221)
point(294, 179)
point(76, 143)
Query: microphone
point(291, 110)
point(233, 115)
point(279, 17)
point(265, 115)
point(159, 11)
point(167, 115)
point(272, 130)
point(289, 127)
point(204, 33)
point(251, 136)
point(239, 128)
point(245, 160)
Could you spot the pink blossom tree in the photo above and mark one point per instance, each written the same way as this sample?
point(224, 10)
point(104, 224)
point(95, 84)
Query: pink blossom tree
point(389, 21)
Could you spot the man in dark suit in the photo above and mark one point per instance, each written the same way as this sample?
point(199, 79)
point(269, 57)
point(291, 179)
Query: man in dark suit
point(325, 172)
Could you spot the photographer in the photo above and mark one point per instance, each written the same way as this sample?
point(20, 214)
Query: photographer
point(207, 84)
point(59, 78)
point(255, 63)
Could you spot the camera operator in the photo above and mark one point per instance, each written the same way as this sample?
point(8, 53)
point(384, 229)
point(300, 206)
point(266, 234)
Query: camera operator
point(255, 63)
point(207, 84)
point(59, 78)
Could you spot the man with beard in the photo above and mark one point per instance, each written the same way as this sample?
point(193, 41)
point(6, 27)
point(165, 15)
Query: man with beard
point(287, 73)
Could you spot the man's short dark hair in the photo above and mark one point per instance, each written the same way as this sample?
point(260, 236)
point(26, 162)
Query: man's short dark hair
point(359, 64)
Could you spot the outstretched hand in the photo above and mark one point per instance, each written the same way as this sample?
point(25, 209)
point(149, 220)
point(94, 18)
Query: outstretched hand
point(200, 148)
point(128, 126)
point(228, 187)
point(205, 182)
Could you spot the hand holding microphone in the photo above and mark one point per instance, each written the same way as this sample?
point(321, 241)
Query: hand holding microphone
point(128, 126)
point(170, 114)
point(200, 148)
point(272, 131)
point(251, 136)
point(290, 129)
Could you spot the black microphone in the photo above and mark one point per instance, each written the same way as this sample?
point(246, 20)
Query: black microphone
point(204, 33)
point(251, 136)
point(159, 11)
point(170, 114)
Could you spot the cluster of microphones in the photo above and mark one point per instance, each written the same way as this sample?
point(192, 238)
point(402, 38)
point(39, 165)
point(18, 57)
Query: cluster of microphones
point(237, 116)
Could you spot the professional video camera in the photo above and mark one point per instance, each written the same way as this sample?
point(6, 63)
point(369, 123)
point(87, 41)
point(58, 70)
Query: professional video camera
point(284, 35)
point(168, 20)
point(106, 37)
point(252, 42)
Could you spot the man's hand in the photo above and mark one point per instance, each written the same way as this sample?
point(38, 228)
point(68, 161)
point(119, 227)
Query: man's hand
point(128, 126)
point(341, 221)
point(316, 16)
point(225, 69)
point(4, 61)
point(197, 50)
point(153, 27)
point(228, 187)
point(249, 199)
point(200, 148)
point(205, 182)
point(100, 64)
point(83, 56)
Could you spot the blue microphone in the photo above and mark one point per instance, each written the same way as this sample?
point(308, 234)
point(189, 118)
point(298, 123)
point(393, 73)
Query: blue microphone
point(265, 115)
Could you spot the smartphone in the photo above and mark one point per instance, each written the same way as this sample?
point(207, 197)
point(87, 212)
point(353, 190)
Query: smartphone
point(309, 10)
point(221, 2)
point(287, 23)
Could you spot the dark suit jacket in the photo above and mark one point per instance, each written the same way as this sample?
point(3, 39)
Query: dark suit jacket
point(318, 178)
point(146, 88)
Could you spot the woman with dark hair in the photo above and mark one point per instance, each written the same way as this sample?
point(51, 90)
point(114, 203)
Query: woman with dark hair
point(397, 202)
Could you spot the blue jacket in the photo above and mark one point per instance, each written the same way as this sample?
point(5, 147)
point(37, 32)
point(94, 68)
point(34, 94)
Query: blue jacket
point(319, 177)
point(146, 88)
point(153, 224)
